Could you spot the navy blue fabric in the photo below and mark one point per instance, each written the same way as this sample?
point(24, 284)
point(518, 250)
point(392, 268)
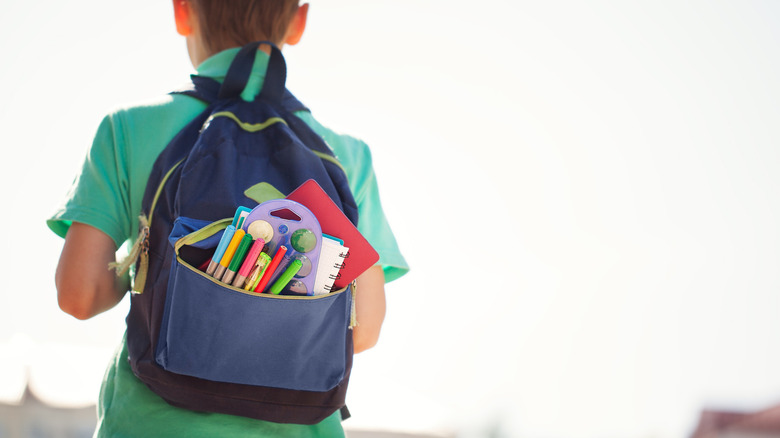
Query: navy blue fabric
point(214, 161)
point(219, 333)
point(207, 90)
point(239, 71)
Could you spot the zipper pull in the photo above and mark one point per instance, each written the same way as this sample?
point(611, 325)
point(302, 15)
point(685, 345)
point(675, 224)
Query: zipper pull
point(140, 276)
point(140, 249)
point(353, 311)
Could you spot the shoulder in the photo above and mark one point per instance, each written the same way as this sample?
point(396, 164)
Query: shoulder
point(339, 142)
point(353, 154)
point(153, 115)
point(138, 132)
point(348, 149)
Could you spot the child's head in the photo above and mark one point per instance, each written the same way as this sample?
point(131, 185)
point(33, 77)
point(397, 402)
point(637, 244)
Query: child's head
point(216, 25)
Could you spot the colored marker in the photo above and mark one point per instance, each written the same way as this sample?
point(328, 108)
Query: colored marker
point(238, 258)
point(285, 278)
point(263, 260)
point(269, 272)
point(229, 252)
point(249, 262)
point(221, 247)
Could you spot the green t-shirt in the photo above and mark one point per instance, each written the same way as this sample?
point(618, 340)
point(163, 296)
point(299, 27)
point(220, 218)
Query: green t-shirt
point(107, 195)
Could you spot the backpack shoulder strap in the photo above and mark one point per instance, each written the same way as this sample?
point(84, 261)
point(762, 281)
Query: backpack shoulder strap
point(200, 87)
point(207, 90)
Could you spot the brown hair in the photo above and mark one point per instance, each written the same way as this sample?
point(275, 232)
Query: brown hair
point(232, 23)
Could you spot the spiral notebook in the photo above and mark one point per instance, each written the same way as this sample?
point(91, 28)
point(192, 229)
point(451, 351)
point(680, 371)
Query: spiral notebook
point(332, 259)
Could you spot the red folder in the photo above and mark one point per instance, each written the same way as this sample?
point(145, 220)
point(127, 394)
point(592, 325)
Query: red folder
point(333, 222)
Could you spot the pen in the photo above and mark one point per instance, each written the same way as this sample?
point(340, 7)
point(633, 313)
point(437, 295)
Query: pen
point(285, 278)
point(237, 259)
point(249, 262)
point(271, 268)
point(221, 247)
point(257, 271)
point(228, 256)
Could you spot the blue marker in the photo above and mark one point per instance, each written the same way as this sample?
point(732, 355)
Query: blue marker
point(221, 247)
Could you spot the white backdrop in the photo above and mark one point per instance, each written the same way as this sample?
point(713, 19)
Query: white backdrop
point(586, 192)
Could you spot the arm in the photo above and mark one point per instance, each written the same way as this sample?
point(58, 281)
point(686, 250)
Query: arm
point(85, 285)
point(370, 308)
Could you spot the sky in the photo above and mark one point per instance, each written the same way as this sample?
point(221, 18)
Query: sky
point(585, 191)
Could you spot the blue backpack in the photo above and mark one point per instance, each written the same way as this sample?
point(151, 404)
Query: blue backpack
point(201, 344)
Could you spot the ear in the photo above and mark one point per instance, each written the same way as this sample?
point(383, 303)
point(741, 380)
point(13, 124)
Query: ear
point(297, 25)
point(183, 15)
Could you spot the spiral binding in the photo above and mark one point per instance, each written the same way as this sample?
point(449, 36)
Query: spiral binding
point(339, 266)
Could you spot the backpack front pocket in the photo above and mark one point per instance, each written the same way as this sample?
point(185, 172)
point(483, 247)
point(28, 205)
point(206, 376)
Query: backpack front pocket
point(222, 333)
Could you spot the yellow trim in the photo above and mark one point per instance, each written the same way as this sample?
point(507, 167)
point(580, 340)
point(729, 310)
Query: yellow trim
point(330, 158)
point(251, 127)
point(255, 127)
point(210, 230)
point(160, 188)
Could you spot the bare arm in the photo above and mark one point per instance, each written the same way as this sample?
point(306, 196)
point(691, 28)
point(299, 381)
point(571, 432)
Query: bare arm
point(85, 285)
point(370, 308)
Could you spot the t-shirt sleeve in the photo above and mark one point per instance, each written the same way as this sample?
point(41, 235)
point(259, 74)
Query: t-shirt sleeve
point(372, 223)
point(98, 196)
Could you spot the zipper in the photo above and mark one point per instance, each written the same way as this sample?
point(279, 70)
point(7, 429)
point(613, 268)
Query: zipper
point(210, 230)
point(140, 249)
point(257, 294)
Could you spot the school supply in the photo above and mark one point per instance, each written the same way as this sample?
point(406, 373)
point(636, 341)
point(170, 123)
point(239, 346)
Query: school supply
point(238, 236)
point(270, 269)
point(285, 278)
point(249, 262)
point(261, 230)
point(241, 214)
point(227, 236)
point(298, 231)
point(238, 258)
point(334, 222)
point(263, 260)
point(204, 345)
point(331, 262)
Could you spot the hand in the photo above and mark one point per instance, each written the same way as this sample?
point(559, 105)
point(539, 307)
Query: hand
point(370, 308)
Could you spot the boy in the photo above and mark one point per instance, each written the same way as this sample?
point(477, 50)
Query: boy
point(101, 213)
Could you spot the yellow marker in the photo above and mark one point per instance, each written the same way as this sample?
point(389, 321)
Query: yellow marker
point(257, 271)
point(231, 249)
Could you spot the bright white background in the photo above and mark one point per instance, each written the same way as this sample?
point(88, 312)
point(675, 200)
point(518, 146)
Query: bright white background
point(587, 193)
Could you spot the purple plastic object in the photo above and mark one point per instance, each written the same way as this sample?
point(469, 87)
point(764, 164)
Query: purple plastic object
point(277, 213)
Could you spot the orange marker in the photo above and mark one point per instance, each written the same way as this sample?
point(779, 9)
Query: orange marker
point(228, 256)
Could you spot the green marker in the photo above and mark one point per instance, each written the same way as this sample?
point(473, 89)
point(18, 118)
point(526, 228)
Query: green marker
point(238, 258)
point(286, 276)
